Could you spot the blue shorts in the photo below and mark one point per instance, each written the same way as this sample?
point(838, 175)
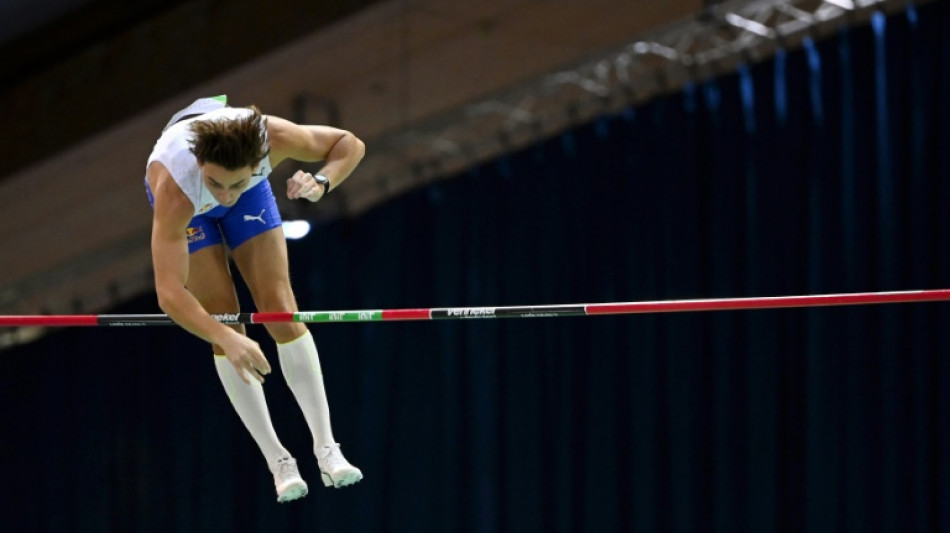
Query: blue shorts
point(254, 213)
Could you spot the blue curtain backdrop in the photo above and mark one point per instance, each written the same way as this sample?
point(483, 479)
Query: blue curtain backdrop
point(825, 169)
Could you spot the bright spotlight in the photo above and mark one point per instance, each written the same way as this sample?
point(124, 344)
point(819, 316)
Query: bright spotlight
point(296, 229)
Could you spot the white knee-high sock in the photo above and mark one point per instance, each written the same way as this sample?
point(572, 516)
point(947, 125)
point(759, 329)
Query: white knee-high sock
point(300, 365)
point(251, 406)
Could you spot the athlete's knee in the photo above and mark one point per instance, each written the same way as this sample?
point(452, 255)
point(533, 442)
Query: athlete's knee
point(275, 297)
point(286, 332)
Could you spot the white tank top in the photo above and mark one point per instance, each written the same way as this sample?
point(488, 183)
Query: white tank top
point(173, 150)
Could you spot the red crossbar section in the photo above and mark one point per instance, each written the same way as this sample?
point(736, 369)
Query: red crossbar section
point(406, 314)
point(45, 320)
point(774, 302)
point(272, 318)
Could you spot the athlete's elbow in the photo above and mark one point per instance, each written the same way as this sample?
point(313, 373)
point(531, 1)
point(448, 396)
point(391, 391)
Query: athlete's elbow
point(355, 145)
point(167, 298)
point(164, 303)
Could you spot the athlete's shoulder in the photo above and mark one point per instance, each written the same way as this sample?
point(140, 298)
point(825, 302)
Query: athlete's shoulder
point(174, 140)
point(284, 136)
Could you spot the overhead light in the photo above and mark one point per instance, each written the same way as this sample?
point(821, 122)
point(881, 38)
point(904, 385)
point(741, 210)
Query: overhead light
point(296, 229)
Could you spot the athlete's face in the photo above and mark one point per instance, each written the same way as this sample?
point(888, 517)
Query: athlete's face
point(225, 185)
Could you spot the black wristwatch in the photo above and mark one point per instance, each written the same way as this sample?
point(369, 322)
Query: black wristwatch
point(323, 180)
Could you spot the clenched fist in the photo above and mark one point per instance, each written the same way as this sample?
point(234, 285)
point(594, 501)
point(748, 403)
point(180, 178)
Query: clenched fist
point(304, 185)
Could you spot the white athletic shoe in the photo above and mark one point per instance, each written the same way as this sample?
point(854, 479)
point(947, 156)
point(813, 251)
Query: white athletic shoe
point(290, 486)
point(335, 470)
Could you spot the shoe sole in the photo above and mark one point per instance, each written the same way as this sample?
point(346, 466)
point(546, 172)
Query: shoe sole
point(348, 478)
point(293, 492)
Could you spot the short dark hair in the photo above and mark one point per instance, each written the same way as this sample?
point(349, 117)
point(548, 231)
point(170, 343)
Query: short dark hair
point(231, 143)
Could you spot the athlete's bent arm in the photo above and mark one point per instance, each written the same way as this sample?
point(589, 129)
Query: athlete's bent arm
point(341, 150)
point(172, 212)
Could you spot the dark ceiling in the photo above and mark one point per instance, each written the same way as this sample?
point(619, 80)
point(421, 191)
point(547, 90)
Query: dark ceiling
point(90, 65)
